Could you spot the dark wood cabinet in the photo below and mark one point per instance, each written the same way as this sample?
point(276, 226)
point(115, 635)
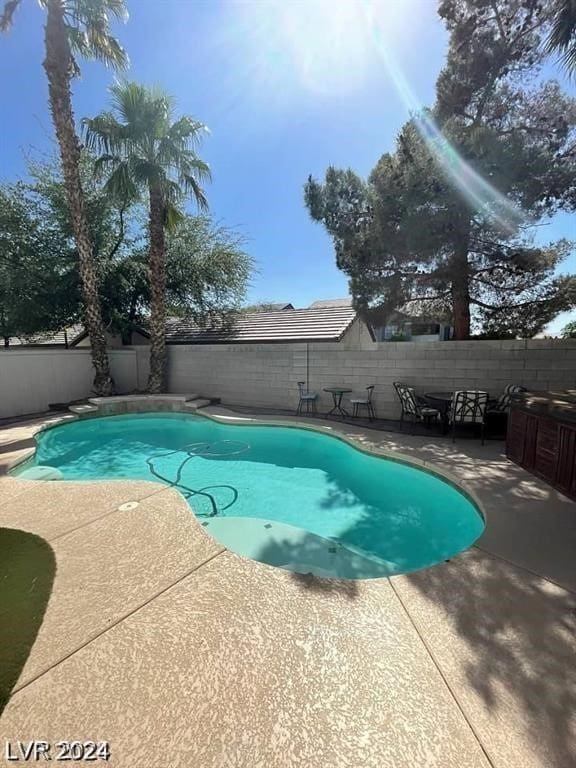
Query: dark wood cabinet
point(544, 443)
point(546, 452)
point(521, 438)
point(566, 474)
point(516, 436)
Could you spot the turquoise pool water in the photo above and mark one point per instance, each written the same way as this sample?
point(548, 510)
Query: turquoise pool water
point(393, 514)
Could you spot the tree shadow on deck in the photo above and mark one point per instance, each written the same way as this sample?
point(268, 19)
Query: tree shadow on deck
point(27, 568)
point(310, 583)
point(307, 559)
point(521, 634)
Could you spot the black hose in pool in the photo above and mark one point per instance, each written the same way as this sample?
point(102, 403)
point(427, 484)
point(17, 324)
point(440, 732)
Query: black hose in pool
point(194, 450)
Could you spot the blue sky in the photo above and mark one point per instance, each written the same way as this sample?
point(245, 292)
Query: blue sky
point(286, 88)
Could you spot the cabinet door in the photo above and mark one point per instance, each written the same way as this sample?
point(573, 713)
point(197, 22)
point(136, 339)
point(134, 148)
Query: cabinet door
point(530, 440)
point(516, 435)
point(546, 456)
point(566, 472)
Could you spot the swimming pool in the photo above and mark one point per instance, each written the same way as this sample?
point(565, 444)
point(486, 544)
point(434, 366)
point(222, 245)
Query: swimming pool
point(288, 496)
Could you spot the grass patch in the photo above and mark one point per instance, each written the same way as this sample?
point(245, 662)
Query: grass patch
point(27, 568)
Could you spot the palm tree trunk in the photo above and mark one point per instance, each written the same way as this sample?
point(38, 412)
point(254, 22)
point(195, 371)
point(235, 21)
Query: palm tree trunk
point(58, 65)
point(156, 380)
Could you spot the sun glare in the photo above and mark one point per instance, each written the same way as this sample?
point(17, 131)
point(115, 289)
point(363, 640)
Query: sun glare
point(325, 46)
point(329, 48)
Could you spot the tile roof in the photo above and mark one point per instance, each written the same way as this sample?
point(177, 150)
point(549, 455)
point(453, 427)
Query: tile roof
point(51, 339)
point(327, 324)
point(326, 303)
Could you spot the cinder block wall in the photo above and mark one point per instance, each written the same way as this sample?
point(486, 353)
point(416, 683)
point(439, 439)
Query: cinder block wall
point(266, 375)
point(241, 374)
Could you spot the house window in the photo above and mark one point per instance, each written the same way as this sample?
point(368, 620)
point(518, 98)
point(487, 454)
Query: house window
point(425, 329)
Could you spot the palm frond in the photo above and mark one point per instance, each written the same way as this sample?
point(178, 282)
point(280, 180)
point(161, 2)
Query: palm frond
point(7, 17)
point(145, 111)
point(562, 37)
point(568, 59)
point(99, 46)
point(120, 184)
point(191, 187)
point(88, 29)
point(128, 101)
point(187, 130)
point(105, 134)
point(191, 164)
point(97, 8)
point(137, 139)
point(104, 164)
point(146, 172)
point(173, 216)
point(172, 191)
point(78, 40)
point(104, 47)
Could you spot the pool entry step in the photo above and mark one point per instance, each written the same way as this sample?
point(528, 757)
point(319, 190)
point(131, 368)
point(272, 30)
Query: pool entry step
point(295, 549)
point(117, 404)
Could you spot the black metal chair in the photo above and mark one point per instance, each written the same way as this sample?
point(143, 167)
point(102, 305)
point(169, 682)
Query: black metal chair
point(414, 406)
point(364, 402)
point(468, 407)
point(307, 399)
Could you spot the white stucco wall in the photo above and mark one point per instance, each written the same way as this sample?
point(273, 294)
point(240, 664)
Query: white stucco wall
point(31, 379)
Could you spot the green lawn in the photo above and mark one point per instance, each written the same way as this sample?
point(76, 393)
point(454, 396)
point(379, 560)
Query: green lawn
point(27, 568)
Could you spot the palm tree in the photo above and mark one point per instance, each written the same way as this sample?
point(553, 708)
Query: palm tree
point(77, 27)
point(562, 38)
point(144, 151)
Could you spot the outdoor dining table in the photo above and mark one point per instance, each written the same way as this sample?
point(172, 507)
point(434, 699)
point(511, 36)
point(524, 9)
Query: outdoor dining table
point(441, 401)
point(337, 394)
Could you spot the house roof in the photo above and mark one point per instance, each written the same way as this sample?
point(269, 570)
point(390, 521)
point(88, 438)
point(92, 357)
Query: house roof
point(328, 324)
point(65, 337)
point(327, 303)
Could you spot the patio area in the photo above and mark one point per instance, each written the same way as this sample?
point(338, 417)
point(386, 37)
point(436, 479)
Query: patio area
point(496, 428)
point(150, 635)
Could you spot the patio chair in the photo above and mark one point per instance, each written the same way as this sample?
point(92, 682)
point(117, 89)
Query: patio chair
point(413, 406)
point(502, 404)
point(307, 399)
point(364, 402)
point(468, 407)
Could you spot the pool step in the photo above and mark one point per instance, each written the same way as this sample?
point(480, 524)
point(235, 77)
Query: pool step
point(83, 409)
point(125, 399)
point(118, 404)
point(199, 402)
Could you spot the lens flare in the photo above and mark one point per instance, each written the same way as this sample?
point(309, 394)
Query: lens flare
point(482, 196)
point(289, 49)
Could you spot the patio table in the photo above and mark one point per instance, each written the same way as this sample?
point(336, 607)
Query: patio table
point(337, 394)
point(441, 401)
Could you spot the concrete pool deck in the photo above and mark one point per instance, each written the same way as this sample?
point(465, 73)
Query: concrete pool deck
point(180, 653)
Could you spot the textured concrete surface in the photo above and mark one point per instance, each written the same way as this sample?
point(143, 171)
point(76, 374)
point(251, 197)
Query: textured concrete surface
point(182, 654)
point(257, 668)
point(113, 566)
point(17, 439)
point(505, 640)
point(68, 505)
